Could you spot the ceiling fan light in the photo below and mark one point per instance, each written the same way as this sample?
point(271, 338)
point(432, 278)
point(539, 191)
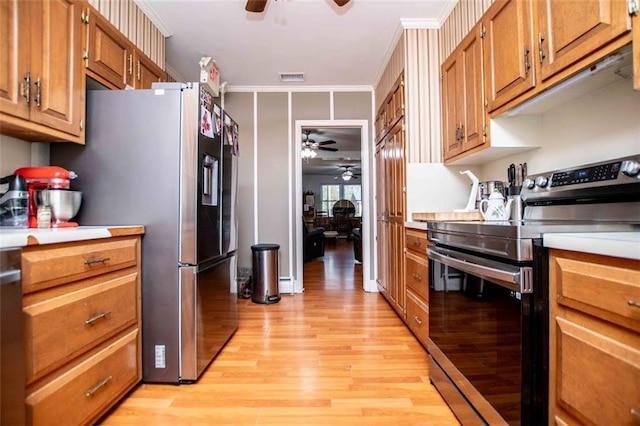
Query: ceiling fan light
point(346, 175)
point(308, 152)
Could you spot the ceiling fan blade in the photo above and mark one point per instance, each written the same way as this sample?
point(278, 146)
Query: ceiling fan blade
point(328, 149)
point(341, 2)
point(327, 142)
point(255, 6)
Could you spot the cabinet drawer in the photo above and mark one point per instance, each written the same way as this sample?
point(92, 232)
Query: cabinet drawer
point(417, 276)
point(597, 376)
point(416, 241)
point(82, 393)
point(599, 285)
point(47, 266)
point(63, 325)
point(418, 318)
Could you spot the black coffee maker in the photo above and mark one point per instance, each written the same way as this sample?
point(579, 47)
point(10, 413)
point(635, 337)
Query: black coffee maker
point(14, 203)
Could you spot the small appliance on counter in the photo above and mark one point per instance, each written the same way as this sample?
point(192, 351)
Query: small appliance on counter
point(49, 185)
point(14, 203)
point(485, 189)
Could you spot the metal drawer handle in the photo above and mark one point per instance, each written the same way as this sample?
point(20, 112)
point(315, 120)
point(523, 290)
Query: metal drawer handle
point(635, 412)
point(417, 276)
point(418, 320)
point(97, 317)
point(90, 262)
point(416, 242)
point(634, 303)
point(89, 393)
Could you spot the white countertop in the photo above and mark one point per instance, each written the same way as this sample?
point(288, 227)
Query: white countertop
point(416, 225)
point(11, 237)
point(616, 244)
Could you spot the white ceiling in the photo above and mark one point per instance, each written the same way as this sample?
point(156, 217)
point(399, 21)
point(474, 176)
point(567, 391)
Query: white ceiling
point(332, 46)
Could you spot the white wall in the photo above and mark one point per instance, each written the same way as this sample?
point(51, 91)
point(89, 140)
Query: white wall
point(16, 153)
point(600, 126)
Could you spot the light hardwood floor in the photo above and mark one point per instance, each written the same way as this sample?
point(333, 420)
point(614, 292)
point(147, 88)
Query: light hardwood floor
point(333, 355)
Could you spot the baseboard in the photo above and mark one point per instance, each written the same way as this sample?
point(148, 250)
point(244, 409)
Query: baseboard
point(285, 285)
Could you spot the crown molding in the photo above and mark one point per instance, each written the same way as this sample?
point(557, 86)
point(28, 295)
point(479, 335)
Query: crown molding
point(446, 11)
point(367, 89)
point(420, 24)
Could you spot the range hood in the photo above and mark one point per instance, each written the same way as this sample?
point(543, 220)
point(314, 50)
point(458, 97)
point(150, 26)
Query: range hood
point(610, 70)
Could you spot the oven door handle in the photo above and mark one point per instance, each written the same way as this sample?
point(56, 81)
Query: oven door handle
point(516, 278)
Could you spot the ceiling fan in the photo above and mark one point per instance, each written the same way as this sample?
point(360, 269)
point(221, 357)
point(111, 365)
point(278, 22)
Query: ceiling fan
point(347, 174)
point(311, 144)
point(258, 6)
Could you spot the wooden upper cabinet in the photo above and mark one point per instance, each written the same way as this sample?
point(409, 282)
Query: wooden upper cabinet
point(13, 60)
point(464, 115)
point(569, 30)
point(114, 61)
point(145, 72)
point(109, 53)
point(508, 51)
point(452, 99)
point(56, 65)
point(42, 82)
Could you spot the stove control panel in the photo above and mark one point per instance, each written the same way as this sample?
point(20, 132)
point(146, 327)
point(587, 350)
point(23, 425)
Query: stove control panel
point(600, 172)
point(580, 182)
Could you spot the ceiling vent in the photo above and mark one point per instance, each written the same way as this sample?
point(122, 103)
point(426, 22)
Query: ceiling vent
point(289, 77)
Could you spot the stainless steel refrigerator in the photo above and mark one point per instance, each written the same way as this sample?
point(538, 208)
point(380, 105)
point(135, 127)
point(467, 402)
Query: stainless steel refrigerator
point(166, 158)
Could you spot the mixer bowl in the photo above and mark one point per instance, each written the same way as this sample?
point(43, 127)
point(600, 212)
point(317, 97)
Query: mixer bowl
point(64, 203)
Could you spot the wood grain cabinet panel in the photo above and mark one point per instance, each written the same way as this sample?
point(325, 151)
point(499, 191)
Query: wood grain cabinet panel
point(569, 30)
point(42, 93)
point(594, 339)
point(47, 266)
point(416, 241)
point(14, 60)
point(508, 51)
point(418, 318)
point(146, 72)
point(463, 111)
point(63, 325)
point(417, 283)
point(109, 52)
point(81, 303)
point(81, 394)
point(417, 276)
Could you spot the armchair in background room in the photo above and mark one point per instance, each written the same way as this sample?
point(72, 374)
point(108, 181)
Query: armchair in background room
point(312, 242)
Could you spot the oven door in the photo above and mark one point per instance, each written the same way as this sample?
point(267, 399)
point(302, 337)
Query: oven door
point(480, 319)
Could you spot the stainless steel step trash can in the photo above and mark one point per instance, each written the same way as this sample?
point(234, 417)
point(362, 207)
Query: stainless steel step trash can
point(265, 273)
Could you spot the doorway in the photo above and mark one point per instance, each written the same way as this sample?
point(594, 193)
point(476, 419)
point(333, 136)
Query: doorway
point(338, 168)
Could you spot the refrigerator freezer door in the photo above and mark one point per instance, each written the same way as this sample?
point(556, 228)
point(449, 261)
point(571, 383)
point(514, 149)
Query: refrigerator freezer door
point(208, 316)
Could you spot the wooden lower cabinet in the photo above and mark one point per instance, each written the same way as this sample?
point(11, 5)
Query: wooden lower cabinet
point(594, 339)
point(81, 302)
point(417, 283)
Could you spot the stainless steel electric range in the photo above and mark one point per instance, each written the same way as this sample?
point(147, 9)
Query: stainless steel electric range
point(488, 290)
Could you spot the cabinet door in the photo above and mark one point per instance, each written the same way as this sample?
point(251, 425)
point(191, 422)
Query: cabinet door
point(146, 72)
point(473, 111)
point(56, 65)
point(508, 51)
point(14, 48)
point(571, 29)
point(110, 56)
point(381, 217)
point(452, 100)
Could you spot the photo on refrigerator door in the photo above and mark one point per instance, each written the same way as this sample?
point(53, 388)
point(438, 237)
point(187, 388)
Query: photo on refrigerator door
point(206, 120)
point(227, 137)
point(235, 137)
point(217, 117)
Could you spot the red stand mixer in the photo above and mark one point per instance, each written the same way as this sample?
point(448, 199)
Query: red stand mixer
point(43, 178)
